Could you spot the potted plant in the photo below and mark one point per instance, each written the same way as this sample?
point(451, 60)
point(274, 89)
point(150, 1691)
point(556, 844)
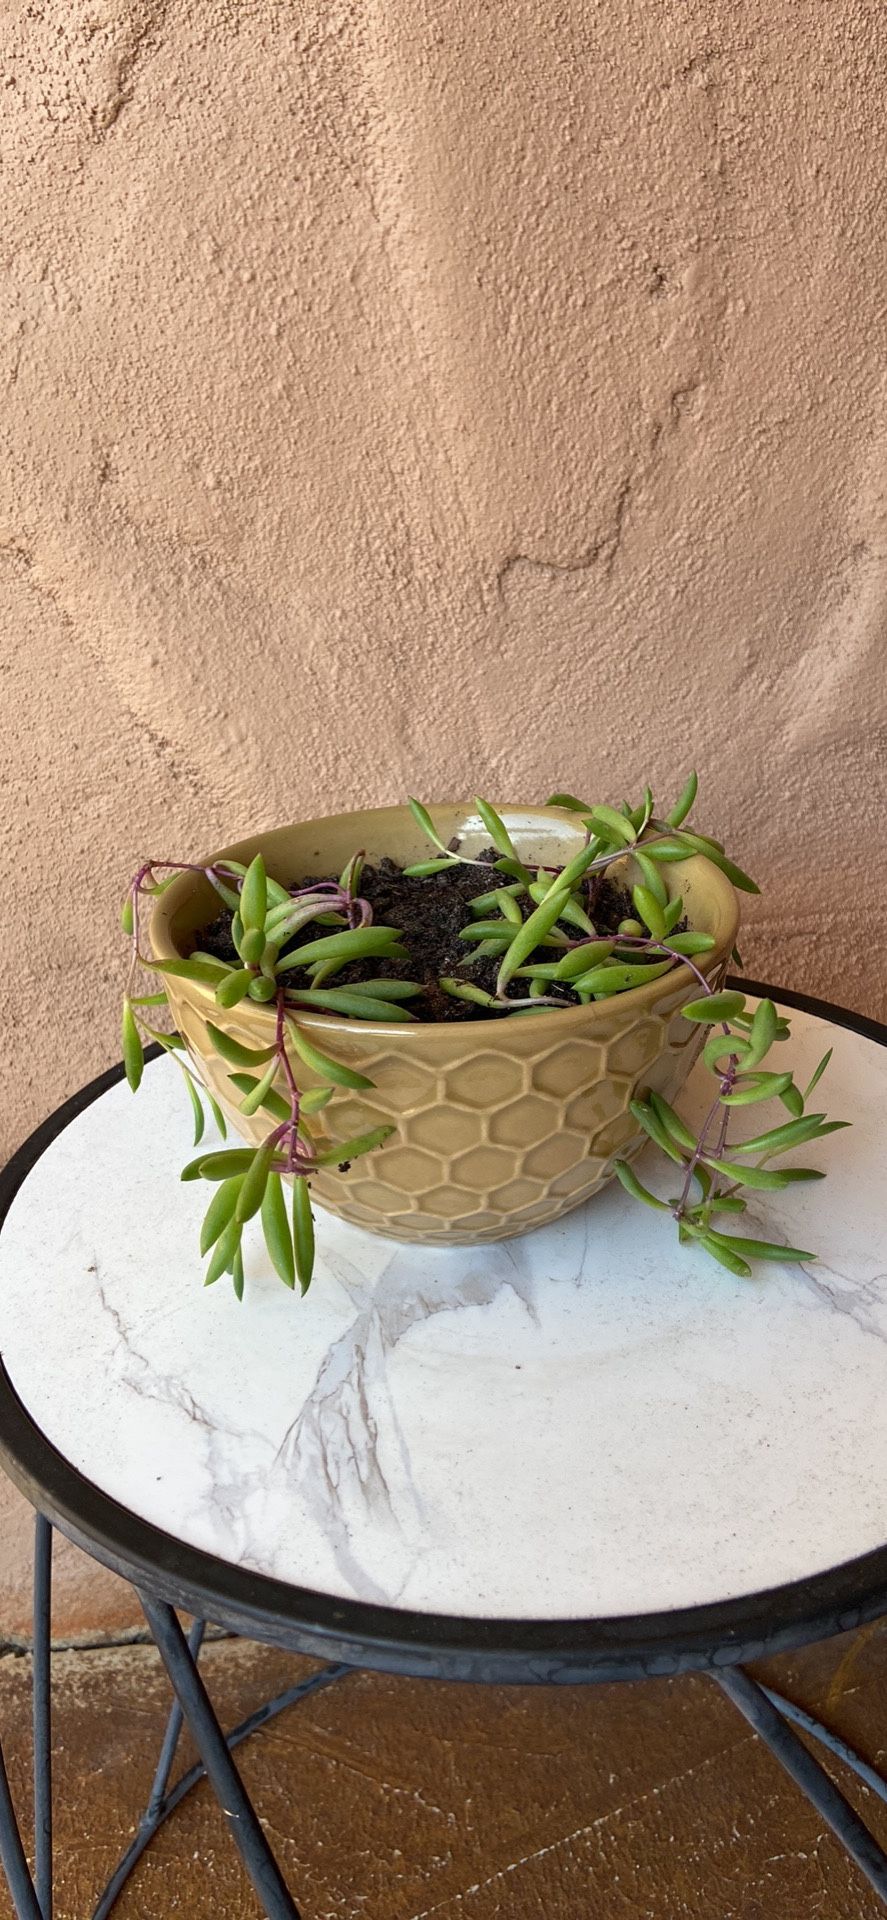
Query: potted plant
point(454, 1027)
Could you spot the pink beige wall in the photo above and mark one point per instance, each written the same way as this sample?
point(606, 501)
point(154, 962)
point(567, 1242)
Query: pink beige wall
point(435, 394)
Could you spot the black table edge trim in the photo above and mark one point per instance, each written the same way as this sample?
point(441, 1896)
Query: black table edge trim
point(523, 1652)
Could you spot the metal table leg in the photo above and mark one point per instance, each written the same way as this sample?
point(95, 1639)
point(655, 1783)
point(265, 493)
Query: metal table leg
point(221, 1771)
point(42, 1711)
point(32, 1899)
point(771, 1727)
point(12, 1855)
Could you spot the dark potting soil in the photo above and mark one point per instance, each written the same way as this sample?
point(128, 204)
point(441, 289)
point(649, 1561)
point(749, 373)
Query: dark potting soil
point(430, 913)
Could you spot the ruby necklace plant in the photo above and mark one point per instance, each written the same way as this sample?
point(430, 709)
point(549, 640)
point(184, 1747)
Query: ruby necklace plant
point(544, 940)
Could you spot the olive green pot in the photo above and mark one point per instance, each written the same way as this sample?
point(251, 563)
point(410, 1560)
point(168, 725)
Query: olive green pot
point(500, 1125)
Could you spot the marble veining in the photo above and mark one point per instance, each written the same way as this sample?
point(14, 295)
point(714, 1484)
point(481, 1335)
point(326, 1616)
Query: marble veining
point(587, 1420)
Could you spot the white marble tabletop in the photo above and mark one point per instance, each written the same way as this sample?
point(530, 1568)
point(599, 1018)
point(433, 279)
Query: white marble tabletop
point(586, 1421)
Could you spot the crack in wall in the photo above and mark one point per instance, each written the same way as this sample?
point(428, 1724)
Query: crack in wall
point(606, 548)
point(140, 38)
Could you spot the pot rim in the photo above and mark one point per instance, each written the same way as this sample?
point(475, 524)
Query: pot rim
point(635, 1000)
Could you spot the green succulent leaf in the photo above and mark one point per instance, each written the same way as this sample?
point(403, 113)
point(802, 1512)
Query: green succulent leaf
point(496, 829)
point(226, 893)
point(818, 1074)
point(127, 915)
point(303, 1232)
point(763, 1179)
point(580, 960)
point(196, 1108)
point(258, 1092)
point(170, 1042)
point(762, 1032)
point(315, 1099)
point(684, 802)
point(219, 1212)
point(722, 1046)
point(352, 1149)
point(233, 1050)
point(648, 907)
point(133, 1051)
point(673, 913)
point(276, 1228)
point(508, 907)
point(234, 987)
point(262, 989)
point(652, 1125)
point(227, 1248)
point(422, 868)
point(572, 873)
point(348, 1002)
point(718, 1245)
point(610, 825)
point(699, 843)
point(793, 1133)
point(513, 869)
point(765, 1249)
point(321, 1063)
point(715, 1006)
point(254, 896)
point(666, 851)
point(205, 971)
point(614, 977)
point(355, 943)
point(352, 873)
point(255, 1180)
point(466, 990)
point(485, 950)
point(690, 943)
point(568, 803)
point(252, 947)
point(652, 878)
point(573, 914)
point(528, 936)
point(219, 1165)
point(759, 1086)
point(483, 903)
point(487, 930)
point(387, 989)
point(675, 1127)
point(634, 1186)
point(272, 1102)
point(423, 819)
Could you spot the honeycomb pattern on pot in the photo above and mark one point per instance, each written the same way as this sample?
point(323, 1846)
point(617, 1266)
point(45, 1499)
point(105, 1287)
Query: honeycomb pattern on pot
point(497, 1128)
point(497, 1144)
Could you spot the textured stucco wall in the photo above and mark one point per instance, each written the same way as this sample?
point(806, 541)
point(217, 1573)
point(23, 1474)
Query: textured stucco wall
point(435, 396)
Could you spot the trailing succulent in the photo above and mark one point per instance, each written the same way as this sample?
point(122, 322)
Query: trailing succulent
point(539, 924)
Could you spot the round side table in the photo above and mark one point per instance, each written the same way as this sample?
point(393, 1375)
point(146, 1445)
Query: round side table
point(583, 1455)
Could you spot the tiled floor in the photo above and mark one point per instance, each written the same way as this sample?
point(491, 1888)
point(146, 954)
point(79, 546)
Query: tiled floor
point(396, 1800)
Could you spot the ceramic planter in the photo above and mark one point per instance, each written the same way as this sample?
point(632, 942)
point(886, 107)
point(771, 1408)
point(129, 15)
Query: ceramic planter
point(502, 1125)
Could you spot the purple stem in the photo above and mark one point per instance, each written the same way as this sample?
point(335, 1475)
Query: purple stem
point(292, 1125)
